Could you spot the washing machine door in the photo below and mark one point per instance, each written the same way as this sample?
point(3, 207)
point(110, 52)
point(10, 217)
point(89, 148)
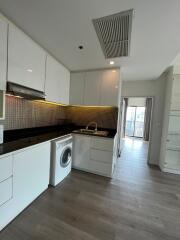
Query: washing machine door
point(65, 157)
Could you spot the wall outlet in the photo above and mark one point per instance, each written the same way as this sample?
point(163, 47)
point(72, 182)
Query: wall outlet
point(1, 134)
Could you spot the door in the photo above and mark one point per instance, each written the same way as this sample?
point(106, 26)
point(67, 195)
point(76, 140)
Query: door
point(135, 122)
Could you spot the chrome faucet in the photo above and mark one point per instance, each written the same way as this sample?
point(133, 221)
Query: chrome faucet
point(90, 124)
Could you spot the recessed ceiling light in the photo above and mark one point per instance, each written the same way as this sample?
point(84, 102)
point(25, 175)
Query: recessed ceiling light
point(29, 70)
point(113, 71)
point(111, 62)
point(81, 47)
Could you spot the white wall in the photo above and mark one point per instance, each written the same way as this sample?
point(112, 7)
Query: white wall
point(137, 102)
point(155, 89)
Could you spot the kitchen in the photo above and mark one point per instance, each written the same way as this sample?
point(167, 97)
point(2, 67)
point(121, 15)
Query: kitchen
point(23, 141)
point(61, 128)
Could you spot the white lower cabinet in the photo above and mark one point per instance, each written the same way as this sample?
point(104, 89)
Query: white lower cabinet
point(31, 174)
point(93, 154)
point(6, 191)
point(172, 160)
point(31, 167)
point(6, 178)
point(81, 151)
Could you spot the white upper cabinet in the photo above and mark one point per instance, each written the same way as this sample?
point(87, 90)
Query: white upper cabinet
point(95, 88)
point(92, 88)
point(109, 88)
point(26, 60)
point(77, 88)
point(3, 54)
point(57, 84)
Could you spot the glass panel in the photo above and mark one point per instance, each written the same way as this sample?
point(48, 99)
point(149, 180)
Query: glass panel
point(139, 122)
point(130, 118)
point(65, 158)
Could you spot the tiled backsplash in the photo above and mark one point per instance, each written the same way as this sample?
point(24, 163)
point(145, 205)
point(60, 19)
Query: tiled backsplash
point(106, 117)
point(21, 113)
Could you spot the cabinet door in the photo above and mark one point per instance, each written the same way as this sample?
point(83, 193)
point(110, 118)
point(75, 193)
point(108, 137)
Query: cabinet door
point(3, 54)
point(92, 88)
point(26, 60)
point(57, 82)
point(77, 88)
point(172, 159)
point(6, 191)
point(175, 101)
point(109, 88)
point(31, 174)
point(64, 84)
point(81, 151)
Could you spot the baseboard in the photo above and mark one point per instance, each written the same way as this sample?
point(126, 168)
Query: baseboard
point(169, 170)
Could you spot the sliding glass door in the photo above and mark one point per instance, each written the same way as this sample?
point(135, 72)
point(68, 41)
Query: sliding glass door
point(135, 121)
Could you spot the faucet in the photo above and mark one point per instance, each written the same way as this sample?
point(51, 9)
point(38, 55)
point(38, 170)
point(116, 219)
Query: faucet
point(90, 124)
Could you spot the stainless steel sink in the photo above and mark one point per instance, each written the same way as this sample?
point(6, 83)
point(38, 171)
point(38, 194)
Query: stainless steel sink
point(86, 130)
point(92, 132)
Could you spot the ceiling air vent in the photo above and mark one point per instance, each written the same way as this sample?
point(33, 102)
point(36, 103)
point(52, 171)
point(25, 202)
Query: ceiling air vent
point(114, 33)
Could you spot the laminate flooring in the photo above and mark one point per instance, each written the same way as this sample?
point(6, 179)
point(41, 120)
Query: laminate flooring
point(140, 202)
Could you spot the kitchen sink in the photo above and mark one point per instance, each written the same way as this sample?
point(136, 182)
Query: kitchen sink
point(91, 132)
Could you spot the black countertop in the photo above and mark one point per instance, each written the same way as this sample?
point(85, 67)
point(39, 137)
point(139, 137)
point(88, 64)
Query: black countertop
point(22, 138)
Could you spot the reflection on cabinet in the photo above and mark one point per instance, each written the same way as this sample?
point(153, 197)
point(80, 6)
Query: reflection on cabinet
point(2, 104)
point(57, 82)
point(109, 88)
point(3, 54)
point(26, 60)
point(77, 88)
point(98, 88)
point(92, 88)
point(93, 154)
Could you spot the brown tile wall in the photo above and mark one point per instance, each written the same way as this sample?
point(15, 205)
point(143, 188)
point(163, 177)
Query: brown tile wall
point(21, 113)
point(106, 117)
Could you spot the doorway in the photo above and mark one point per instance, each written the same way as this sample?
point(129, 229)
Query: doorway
point(134, 126)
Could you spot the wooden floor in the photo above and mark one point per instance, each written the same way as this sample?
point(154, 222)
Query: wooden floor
point(139, 203)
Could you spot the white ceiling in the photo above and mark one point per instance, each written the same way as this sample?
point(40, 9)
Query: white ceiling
point(61, 26)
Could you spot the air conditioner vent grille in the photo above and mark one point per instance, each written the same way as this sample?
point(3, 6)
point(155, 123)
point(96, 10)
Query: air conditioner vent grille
point(114, 33)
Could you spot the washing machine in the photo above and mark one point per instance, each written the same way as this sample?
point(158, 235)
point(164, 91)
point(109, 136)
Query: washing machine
point(61, 159)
